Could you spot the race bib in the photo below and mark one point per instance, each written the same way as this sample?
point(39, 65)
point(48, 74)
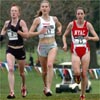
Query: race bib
point(80, 40)
point(50, 30)
point(12, 35)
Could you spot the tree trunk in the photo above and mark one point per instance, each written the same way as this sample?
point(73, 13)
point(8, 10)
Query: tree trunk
point(93, 56)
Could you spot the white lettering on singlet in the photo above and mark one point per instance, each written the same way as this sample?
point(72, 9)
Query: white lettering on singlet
point(79, 32)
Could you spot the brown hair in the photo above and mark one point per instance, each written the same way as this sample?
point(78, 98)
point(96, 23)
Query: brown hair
point(39, 13)
point(16, 6)
point(81, 9)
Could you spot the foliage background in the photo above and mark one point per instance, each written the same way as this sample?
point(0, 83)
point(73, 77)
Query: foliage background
point(64, 10)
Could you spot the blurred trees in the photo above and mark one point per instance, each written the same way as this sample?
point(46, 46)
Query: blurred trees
point(63, 9)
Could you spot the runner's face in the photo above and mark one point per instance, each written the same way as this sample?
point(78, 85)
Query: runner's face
point(14, 12)
point(80, 14)
point(45, 8)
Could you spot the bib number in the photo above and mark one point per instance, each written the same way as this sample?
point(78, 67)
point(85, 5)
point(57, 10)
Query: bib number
point(50, 30)
point(12, 35)
point(80, 40)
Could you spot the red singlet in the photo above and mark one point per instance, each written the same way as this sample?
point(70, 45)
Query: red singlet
point(79, 45)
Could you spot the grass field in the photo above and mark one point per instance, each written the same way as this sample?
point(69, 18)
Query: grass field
point(35, 88)
point(35, 84)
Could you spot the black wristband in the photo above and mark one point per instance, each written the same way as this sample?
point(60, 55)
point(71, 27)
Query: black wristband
point(1, 37)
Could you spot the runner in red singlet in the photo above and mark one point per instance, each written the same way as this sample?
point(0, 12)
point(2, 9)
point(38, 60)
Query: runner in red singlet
point(80, 49)
point(79, 44)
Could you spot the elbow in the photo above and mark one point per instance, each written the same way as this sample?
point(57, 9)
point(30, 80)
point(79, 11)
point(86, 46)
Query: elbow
point(97, 39)
point(27, 36)
point(63, 36)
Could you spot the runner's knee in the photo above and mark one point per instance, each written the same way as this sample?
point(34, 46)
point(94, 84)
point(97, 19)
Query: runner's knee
point(77, 73)
point(44, 73)
point(84, 74)
point(11, 69)
point(22, 74)
point(50, 64)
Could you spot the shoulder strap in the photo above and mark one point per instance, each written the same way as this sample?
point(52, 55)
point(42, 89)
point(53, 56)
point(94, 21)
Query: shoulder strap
point(74, 24)
point(85, 24)
point(18, 23)
point(9, 23)
point(52, 17)
point(18, 27)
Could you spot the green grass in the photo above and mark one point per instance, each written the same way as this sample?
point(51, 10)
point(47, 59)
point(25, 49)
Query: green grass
point(35, 88)
point(35, 83)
